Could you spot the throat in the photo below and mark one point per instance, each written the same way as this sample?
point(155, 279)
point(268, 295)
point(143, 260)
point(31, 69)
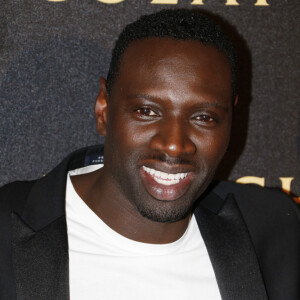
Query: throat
point(120, 215)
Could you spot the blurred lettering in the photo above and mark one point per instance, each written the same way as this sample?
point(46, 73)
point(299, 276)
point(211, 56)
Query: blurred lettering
point(197, 2)
point(286, 183)
point(111, 1)
point(194, 2)
point(261, 3)
point(232, 2)
point(252, 179)
point(164, 2)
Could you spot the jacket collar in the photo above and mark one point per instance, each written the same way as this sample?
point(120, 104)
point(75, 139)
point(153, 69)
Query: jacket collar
point(46, 201)
point(230, 247)
point(39, 233)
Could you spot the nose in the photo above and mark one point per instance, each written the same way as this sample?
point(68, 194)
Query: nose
point(172, 138)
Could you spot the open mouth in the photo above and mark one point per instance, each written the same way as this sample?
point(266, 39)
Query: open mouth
point(165, 186)
point(165, 178)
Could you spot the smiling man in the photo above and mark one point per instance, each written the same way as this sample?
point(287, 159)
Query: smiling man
point(149, 224)
point(169, 113)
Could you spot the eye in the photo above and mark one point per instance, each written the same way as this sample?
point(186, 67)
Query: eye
point(204, 118)
point(146, 111)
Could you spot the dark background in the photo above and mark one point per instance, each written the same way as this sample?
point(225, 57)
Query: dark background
point(52, 55)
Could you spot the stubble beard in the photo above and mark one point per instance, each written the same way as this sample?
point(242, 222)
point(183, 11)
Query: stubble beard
point(162, 211)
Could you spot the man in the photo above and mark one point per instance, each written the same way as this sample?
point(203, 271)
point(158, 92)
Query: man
point(148, 224)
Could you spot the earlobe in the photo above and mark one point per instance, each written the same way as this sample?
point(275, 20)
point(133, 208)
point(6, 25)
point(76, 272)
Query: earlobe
point(101, 108)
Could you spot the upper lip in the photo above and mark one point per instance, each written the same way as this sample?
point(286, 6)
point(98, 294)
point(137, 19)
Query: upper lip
point(168, 168)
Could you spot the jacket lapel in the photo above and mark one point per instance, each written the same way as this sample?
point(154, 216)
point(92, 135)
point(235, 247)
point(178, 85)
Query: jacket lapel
point(39, 240)
point(39, 233)
point(41, 260)
point(230, 249)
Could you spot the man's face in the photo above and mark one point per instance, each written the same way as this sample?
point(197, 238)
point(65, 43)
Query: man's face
point(168, 125)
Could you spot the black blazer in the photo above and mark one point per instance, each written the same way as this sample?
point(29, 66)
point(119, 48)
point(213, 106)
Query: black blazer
point(252, 236)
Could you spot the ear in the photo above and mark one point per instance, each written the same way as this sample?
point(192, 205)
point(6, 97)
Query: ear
point(101, 108)
point(236, 100)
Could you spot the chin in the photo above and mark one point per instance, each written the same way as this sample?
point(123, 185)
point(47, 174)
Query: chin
point(166, 212)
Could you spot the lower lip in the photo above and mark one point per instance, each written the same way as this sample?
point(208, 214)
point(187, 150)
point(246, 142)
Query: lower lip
point(165, 192)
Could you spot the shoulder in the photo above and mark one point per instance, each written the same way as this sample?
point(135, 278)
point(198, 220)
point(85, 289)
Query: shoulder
point(273, 223)
point(253, 199)
point(270, 215)
point(13, 196)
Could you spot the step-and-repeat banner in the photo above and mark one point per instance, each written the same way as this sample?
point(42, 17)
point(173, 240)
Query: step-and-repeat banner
point(52, 54)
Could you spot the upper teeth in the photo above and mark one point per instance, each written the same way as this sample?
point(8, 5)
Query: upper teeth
point(165, 178)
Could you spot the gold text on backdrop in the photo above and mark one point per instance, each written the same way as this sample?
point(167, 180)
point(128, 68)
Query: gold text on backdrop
point(200, 2)
point(194, 2)
point(285, 183)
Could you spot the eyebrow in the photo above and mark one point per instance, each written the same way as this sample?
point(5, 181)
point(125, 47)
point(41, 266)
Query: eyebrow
point(203, 104)
point(143, 96)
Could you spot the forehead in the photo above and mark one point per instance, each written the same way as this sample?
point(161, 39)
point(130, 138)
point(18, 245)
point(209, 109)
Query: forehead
point(157, 61)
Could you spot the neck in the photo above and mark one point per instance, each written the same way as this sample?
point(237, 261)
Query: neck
point(120, 215)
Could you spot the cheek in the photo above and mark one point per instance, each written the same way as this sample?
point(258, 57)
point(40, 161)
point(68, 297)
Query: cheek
point(132, 135)
point(212, 146)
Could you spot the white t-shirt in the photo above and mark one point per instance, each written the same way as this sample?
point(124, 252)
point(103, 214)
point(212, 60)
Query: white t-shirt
point(106, 265)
